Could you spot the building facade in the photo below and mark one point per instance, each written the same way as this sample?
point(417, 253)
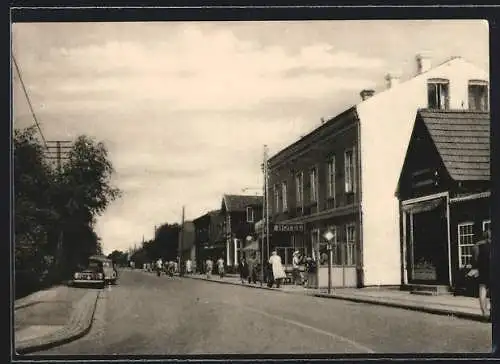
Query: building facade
point(444, 193)
point(313, 188)
point(240, 212)
point(210, 240)
point(342, 176)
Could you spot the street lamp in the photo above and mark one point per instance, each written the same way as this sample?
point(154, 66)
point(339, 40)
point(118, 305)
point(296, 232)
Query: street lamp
point(328, 235)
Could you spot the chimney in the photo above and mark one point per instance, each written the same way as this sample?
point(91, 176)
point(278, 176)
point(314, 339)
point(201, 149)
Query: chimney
point(365, 94)
point(423, 62)
point(392, 79)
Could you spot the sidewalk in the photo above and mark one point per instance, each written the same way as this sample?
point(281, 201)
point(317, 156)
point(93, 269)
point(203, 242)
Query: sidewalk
point(449, 305)
point(52, 317)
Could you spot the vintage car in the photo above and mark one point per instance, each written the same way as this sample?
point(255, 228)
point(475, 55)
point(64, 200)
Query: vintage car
point(99, 272)
point(108, 268)
point(93, 275)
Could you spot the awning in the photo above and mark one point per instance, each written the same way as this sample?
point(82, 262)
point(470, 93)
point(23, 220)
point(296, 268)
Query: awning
point(423, 206)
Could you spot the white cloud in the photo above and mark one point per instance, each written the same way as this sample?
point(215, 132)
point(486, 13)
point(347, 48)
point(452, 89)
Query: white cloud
point(185, 108)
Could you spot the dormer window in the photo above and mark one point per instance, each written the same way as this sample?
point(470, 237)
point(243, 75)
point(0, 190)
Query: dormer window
point(438, 94)
point(249, 214)
point(478, 95)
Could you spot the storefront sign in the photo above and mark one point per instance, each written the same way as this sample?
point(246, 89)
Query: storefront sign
point(288, 227)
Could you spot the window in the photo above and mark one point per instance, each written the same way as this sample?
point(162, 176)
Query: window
point(478, 95)
point(487, 226)
point(336, 257)
point(299, 189)
point(465, 243)
point(276, 199)
point(349, 171)
point(284, 195)
point(314, 184)
point(315, 243)
point(249, 214)
point(331, 178)
point(350, 244)
point(437, 94)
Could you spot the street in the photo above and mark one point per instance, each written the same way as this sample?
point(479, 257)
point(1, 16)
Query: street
point(145, 314)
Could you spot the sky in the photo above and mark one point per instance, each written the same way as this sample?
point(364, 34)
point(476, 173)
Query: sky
point(185, 108)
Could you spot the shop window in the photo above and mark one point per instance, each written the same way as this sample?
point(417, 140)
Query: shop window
point(438, 94)
point(299, 189)
point(250, 217)
point(284, 192)
point(465, 243)
point(314, 184)
point(331, 178)
point(350, 244)
point(315, 244)
point(336, 257)
point(478, 95)
point(349, 166)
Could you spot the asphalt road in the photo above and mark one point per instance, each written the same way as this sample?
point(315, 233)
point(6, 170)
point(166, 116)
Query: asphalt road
point(145, 314)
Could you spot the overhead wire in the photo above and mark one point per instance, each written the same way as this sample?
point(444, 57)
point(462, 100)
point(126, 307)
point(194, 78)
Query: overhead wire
point(29, 102)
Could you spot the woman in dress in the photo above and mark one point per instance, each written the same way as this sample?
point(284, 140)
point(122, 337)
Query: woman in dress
point(277, 268)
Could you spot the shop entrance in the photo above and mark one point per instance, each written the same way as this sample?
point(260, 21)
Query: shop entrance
point(428, 244)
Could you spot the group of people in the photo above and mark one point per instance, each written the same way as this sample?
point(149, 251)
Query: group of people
point(209, 266)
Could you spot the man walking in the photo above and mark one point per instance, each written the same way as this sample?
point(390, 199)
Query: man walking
point(209, 264)
point(481, 270)
point(220, 267)
point(296, 268)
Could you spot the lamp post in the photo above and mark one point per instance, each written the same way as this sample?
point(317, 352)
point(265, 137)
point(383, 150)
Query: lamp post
point(328, 235)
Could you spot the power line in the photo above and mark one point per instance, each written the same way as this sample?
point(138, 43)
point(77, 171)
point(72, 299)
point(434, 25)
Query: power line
point(29, 101)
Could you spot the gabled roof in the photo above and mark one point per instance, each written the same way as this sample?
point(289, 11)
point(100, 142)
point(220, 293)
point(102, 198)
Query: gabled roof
point(462, 139)
point(234, 203)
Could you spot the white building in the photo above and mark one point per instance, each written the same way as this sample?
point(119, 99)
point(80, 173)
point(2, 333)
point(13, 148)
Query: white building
point(386, 120)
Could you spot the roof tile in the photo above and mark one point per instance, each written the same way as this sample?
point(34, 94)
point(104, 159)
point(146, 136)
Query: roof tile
point(463, 141)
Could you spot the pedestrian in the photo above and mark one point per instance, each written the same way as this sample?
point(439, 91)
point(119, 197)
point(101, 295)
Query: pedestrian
point(209, 264)
point(252, 265)
point(159, 266)
point(277, 269)
point(220, 267)
point(244, 271)
point(296, 268)
point(481, 256)
point(311, 269)
point(189, 266)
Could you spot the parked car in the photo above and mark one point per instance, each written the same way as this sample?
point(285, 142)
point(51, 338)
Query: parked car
point(99, 272)
point(108, 268)
point(93, 275)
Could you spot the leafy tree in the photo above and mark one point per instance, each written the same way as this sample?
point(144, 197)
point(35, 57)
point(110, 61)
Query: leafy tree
point(50, 204)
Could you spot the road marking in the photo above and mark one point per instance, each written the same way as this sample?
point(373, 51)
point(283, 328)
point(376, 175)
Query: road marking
point(300, 324)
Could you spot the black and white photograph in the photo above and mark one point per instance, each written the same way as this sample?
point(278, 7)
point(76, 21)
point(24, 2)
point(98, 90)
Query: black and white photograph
point(251, 187)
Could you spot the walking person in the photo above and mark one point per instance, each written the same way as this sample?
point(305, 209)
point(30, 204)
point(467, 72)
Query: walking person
point(252, 265)
point(220, 267)
point(296, 268)
point(311, 269)
point(209, 265)
point(189, 266)
point(277, 269)
point(159, 266)
point(244, 271)
point(481, 256)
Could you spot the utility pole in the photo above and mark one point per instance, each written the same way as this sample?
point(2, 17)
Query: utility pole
point(58, 150)
point(265, 210)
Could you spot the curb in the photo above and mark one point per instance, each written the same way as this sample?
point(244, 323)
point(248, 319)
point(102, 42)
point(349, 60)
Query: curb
point(78, 325)
point(437, 311)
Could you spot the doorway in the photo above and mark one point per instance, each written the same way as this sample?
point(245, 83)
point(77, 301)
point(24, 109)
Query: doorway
point(428, 235)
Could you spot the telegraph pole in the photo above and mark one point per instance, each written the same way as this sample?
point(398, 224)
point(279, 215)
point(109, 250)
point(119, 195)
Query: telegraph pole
point(265, 210)
point(58, 150)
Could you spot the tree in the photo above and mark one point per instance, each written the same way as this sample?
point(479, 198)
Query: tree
point(85, 193)
point(118, 257)
point(34, 214)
